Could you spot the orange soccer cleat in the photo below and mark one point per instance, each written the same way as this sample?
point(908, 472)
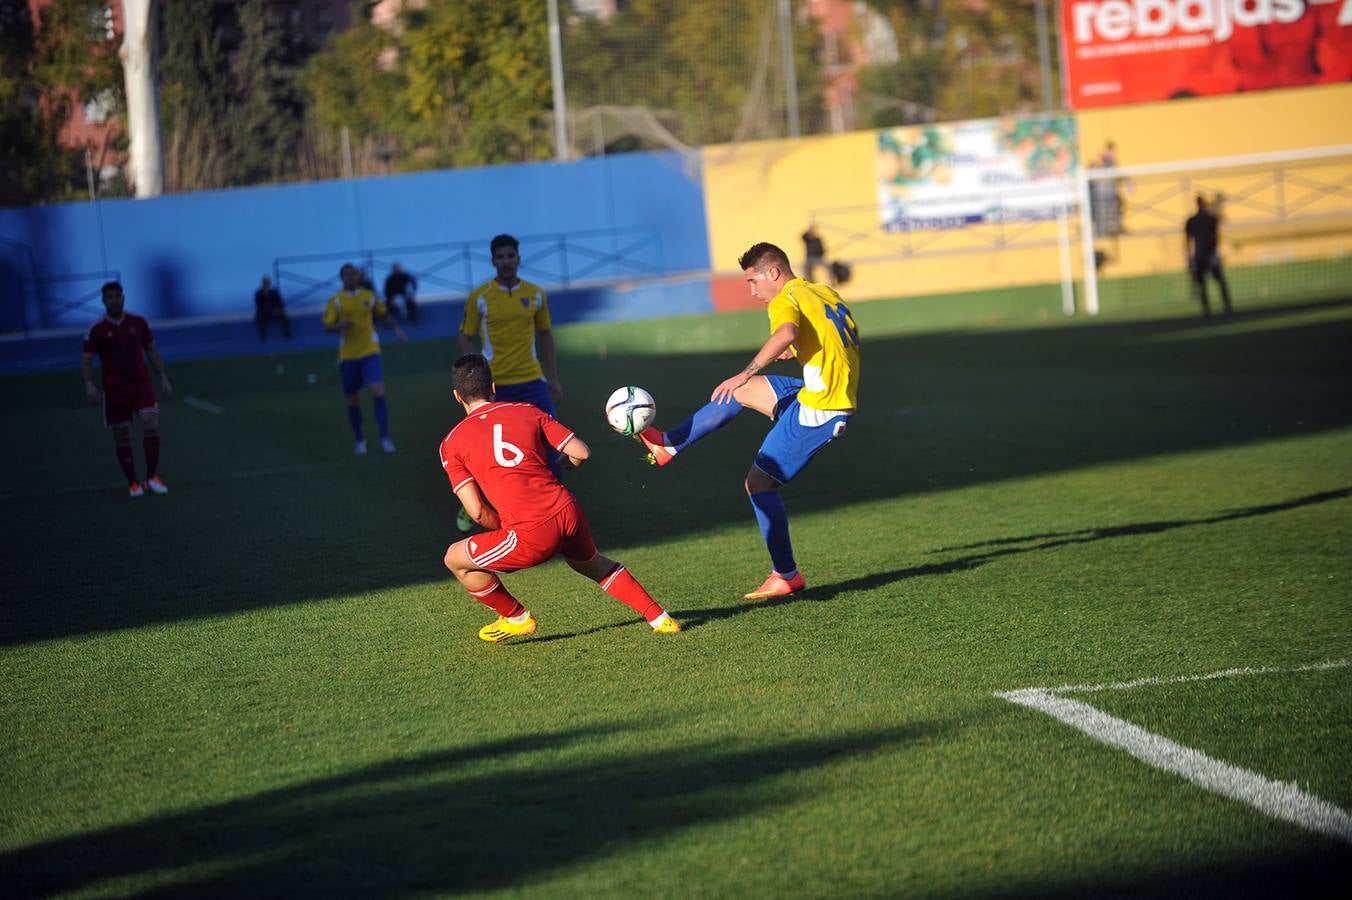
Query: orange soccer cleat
point(658, 453)
point(778, 586)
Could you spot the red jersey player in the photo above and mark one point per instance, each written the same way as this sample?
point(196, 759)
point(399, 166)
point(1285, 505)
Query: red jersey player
point(122, 342)
point(500, 452)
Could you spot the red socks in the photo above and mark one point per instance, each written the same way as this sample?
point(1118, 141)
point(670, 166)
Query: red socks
point(497, 598)
point(151, 444)
point(127, 461)
point(626, 589)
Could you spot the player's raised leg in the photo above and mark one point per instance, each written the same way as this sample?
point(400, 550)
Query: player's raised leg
point(514, 620)
point(758, 394)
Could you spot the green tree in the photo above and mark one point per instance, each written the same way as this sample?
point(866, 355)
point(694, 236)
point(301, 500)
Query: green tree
point(958, 59)
point(195, 95)
point(264, 125)
point(44, 71)
point(710, 70)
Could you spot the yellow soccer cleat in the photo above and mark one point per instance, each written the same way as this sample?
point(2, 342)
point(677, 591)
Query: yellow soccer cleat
point(668, 626)
point(505, 628)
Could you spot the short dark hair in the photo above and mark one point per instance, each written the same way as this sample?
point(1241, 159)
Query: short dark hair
point(762, 255)
point(504, 240)
point(472, 378)
point(111, 287)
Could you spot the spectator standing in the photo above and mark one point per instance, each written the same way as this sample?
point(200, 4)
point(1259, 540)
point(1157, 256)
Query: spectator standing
point(402, 287)
point(268, 306)
point(1201, 244)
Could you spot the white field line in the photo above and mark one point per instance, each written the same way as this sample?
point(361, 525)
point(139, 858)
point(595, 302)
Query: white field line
point(203, 405)
point(1183, 679)
point(1281, 801)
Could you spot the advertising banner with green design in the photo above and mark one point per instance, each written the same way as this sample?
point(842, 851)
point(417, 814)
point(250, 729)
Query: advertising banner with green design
point(983, 171)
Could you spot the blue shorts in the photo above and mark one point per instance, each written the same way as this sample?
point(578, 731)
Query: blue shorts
point(790, 445)
point(356, 373)
point(534, 392)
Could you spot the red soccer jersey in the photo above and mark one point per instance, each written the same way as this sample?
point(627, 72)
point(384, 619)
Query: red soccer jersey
point(121, 348)
point(504, 449)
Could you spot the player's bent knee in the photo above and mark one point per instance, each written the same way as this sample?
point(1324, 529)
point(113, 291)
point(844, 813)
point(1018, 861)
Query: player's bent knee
point(757, 482)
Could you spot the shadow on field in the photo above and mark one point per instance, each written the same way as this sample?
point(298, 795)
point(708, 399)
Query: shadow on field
point(270, 508)
point(426, 826)
point(1309, 873)
point(1001, 547)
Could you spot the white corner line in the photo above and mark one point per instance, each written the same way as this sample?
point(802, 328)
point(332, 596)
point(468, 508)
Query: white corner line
point(203, 405)
point(1185, 679)
point(1274, 798)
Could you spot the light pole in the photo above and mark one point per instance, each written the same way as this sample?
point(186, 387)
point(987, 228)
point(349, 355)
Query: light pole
point(556, 76)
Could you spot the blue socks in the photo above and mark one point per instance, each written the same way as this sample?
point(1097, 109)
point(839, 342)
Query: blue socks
point(354, 417)
point(773, 520)
point(706, 420)
point(382, 416)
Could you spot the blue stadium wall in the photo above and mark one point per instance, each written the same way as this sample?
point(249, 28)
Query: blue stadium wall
point(584, 225)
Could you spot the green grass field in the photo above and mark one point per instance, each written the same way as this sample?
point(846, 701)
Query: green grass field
point(265, 683)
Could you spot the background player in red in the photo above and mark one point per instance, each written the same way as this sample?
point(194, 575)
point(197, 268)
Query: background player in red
point(122, 342)
point(500, 452)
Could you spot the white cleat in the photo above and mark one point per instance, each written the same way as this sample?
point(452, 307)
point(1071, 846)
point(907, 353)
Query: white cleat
point(387, 445)
point(360, 449)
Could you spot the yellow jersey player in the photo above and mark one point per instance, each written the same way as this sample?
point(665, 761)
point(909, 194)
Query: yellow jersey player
point(510, 319)
point(352, 314)
point(809, 322)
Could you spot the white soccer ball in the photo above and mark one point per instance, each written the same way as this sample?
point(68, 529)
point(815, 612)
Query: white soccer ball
point(630, 410)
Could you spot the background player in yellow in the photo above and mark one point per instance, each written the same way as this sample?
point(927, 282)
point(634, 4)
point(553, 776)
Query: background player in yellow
point(352, 314)
point(510, 319)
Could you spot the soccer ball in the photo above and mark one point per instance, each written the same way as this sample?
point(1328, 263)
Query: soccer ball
point(630, 410)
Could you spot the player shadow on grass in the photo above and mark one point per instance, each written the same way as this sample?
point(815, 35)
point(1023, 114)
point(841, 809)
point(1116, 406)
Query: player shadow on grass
point(497, 815)
point(1010, 546)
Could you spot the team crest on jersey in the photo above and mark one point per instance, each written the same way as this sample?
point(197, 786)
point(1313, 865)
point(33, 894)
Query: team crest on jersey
point(525, 303)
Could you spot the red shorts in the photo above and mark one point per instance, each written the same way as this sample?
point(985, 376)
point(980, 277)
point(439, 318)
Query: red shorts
point(120, 401)
point(508, 550)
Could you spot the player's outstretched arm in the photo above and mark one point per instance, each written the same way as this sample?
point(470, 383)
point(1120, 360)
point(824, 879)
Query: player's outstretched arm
point(154, 354)
point(87, 373)
point(549, 357)
point(774, 347)
point(476, 508)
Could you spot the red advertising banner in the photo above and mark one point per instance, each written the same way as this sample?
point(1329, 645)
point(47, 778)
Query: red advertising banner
point(1137, 51)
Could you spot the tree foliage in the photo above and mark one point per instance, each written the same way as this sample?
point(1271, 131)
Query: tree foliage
point(462, 83)
point(710, 69)
point(43, 71)
point(229, 100)
point(958, 59)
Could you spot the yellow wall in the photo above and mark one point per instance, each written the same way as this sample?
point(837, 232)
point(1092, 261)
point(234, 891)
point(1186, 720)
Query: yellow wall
point(1233, 125)
point(768, 190)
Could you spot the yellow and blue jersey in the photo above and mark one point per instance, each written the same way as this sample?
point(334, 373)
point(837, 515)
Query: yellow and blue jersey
point(827, 343)
point(506, 321)
point(360, 307)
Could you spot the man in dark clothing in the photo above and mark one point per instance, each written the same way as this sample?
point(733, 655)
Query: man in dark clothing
point(268, 306)
point(402, 286)
point(815, 251)
point(1201, 243)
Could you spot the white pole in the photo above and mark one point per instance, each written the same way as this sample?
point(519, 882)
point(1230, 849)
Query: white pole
point(1044, 54)
point(138, 54)
point(1067, 274)
point(556, 75)
point(790, 70)
point(1090, 274)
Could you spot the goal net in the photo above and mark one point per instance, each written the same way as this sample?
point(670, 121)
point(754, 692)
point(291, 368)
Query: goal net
point(1285, 229)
